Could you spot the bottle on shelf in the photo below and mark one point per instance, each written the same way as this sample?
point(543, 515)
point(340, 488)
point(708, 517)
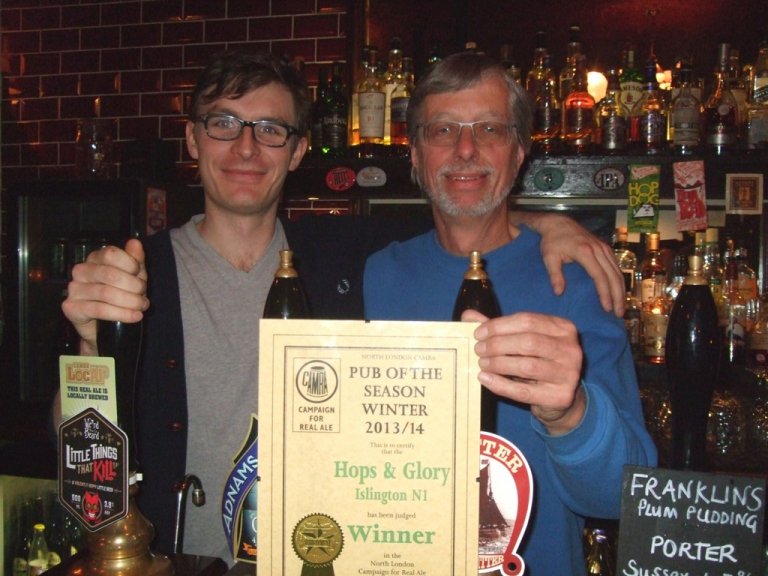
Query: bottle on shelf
point(692, 349)
point(335, 115)
point(476, 293)
point(578, 113)
point(630, 80)
point(37, 561)
point(713, 268)
point(540, 69)
point(721, 112)
point(652, 114)
point(738, 89)
point(286, 297)
point(401, 97)
point(547, 118)
point(612, 122)
point(679, 272)
point(757, 109)
point(625, 258)
point(573, 54)
point(757, 340)
point(685, 116)
point(633, 321)
point(653, 272)
point(600, 559)
point(319, 109)
point(371, 103)
point(510, 62)
point(655, 321)
point(393, 77)
point(734, 314)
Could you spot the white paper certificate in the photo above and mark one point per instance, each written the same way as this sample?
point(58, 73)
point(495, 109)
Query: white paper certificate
point(369, 439)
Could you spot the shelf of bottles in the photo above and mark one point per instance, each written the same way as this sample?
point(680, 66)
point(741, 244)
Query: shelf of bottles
point(632, 108)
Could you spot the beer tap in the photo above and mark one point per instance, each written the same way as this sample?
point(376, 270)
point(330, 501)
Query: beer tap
point(198, 499)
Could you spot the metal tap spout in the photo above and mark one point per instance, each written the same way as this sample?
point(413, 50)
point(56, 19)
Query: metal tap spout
point(198, 499)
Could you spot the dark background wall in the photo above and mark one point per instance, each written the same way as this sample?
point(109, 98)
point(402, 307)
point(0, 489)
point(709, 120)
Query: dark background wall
point(138, 59)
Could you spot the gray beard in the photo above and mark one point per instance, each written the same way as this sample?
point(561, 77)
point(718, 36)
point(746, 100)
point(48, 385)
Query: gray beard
point(447, 206)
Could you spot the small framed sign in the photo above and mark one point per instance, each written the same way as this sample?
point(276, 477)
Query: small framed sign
point(675, 522)
point(744, 193)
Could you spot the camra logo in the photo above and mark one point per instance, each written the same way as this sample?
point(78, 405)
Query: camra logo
point(317, 381)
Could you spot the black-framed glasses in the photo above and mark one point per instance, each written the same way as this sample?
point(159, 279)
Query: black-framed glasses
point(484, 132)
point(226, 127)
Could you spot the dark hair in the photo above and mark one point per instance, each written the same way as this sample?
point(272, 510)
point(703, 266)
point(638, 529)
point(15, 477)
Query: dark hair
point(233, 74)
point(463, 70)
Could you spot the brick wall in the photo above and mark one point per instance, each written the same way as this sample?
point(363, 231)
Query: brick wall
point(134, 62)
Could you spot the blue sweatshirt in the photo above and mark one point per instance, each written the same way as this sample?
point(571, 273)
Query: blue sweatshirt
point(575, 475)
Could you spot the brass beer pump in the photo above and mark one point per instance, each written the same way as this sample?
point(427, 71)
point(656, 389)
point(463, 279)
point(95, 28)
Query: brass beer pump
point(122, 547)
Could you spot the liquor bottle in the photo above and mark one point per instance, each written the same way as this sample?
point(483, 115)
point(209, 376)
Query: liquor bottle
point(335, 116)
point(652, 269)
point(122, 342)
point(734, 315)
point(37, 561)
point(685, 116)
point(655, 321)
point(757, 341)
point(720, 114)
point(693, 348)
point(679, 272)
point(579, 113)
point(573, 54)
point(630, 80)
point(599, 559)
point(757, 113)
point(547, 118)
point(318, 110)
point(476, 293)
point(612, 121)
point(713, 269)
point(652, 114)
point(286, 297)
point(401, 97)
point(540, 69)
point(392, 78)
point(633, 321)
point(625, 258)
point(371, 102)
point(510, 62)
point(738, 89)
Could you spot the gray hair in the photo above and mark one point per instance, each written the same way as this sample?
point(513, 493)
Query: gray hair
point(460, 71)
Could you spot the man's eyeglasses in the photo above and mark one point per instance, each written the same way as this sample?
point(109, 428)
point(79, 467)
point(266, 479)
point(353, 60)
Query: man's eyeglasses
point(226, 127)
point(485, 132)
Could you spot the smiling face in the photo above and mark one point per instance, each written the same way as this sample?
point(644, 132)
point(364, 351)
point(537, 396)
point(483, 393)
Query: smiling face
point(467, 179)
point(242, 176)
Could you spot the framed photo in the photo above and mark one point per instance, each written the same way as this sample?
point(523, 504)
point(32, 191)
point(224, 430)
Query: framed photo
point(744, 193)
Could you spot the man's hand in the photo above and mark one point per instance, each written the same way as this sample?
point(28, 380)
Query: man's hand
point(534, 359)
point(563, 240)
point(110, 285)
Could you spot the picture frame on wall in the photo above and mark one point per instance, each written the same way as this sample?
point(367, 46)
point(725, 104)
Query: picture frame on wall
point(744, 193)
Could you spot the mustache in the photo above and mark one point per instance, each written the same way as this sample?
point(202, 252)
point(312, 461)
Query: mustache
point(471, 167)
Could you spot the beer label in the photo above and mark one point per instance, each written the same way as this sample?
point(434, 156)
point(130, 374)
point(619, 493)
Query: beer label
point(614, 133)
point(93, 469)
point(655, 336)
point(690, 195)
point(371, 106)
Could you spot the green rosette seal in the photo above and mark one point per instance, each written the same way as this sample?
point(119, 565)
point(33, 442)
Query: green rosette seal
point(317, 540)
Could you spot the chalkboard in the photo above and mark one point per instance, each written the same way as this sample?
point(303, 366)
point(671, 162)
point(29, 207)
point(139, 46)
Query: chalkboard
point(675, 523)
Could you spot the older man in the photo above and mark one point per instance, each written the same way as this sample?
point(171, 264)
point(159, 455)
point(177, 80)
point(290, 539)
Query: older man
point(560, 365)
